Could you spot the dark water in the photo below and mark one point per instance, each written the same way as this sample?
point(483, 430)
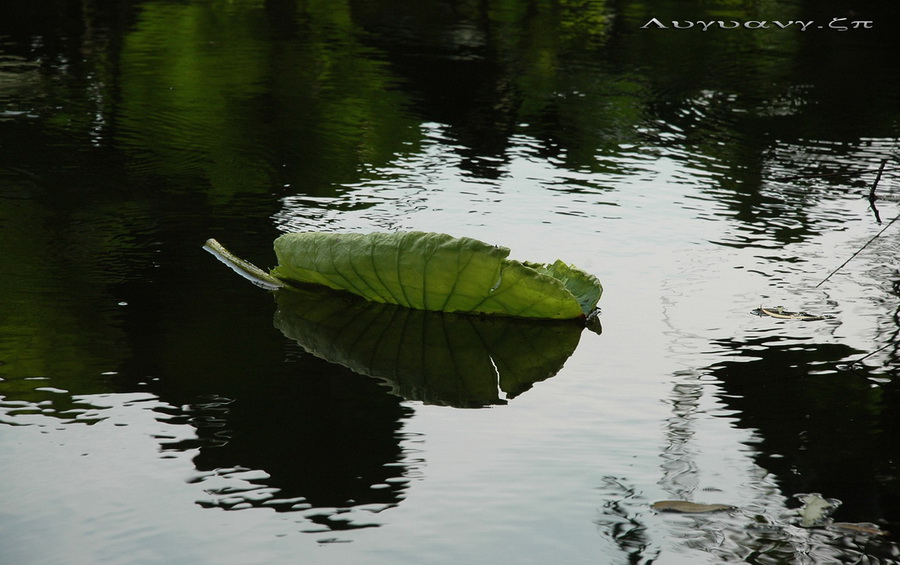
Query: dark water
point(156, 408)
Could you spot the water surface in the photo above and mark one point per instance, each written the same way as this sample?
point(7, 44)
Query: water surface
point(156, 408)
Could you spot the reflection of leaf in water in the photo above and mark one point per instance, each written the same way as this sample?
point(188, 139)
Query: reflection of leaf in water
point(434, 357)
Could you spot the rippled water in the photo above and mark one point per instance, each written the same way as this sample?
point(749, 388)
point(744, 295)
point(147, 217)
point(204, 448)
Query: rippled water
point(156, 408)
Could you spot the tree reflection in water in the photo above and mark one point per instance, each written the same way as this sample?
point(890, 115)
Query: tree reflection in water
point(322, 444)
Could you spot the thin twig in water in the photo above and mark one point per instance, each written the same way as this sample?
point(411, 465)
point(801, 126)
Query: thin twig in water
point(882, 348)
point(872, 197)
point(858, 251)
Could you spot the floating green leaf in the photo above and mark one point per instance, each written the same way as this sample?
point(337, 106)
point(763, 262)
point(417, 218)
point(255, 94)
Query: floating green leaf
point(434, 271)
point(433, 357)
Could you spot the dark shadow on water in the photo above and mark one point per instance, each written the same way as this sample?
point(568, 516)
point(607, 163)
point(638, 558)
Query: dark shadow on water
point(275, 427)
point(821, 429)
point(820, 425)
point(326, 439)
point(318, 429)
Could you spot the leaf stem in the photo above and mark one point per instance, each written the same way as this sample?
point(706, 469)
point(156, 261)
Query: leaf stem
point(244, 268)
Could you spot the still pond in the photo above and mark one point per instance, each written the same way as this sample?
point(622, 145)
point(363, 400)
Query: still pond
point(157, 408)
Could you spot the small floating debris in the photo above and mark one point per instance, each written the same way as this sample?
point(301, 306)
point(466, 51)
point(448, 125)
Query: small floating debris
point(781, 313)
point(684, 507)
point(860, 528)
point(815, 510)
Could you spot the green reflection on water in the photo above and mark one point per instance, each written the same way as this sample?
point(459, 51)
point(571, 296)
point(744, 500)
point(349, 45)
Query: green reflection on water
point(60, 326)
point(211, 90)
point(434, 357)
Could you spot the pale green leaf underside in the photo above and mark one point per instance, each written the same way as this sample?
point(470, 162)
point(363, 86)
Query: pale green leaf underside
point(434, 271)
